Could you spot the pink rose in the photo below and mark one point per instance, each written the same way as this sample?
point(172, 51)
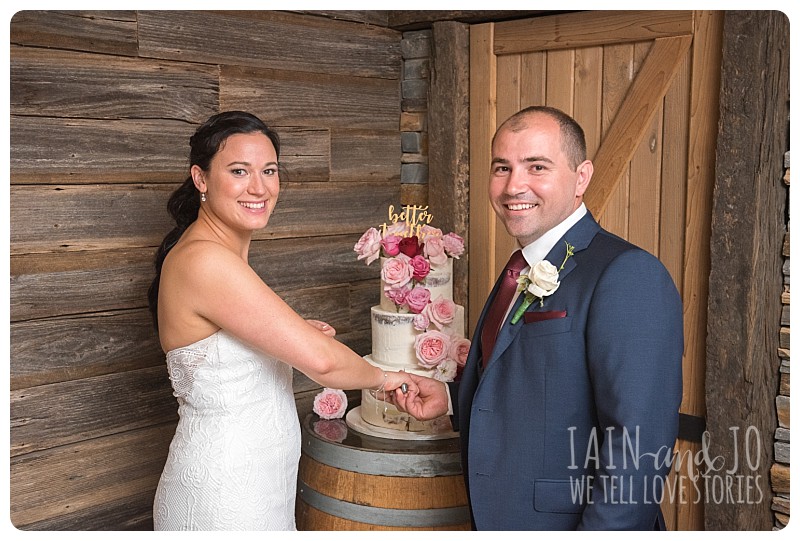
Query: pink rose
point(434, 250)
point(441, 312)
point(418, 298)
point(421, 267)
point(410, 246)
point(431, 348)
point(397, 295)
point(445, 371)
point(459, 350)
point(369, 245)
point(331, 429)
point(330, 403)
point(427, 231)
point(421, 321)
point(391, 245)
point(453, 245)
point(396, 272)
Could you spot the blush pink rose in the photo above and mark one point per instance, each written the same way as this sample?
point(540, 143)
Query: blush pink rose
point(396, 272)
point(441, 312)
point(330, 403)
point(397, 228)
point(434, 251)
point(421, 321)
point(391, 245)
point(421, 267)
point(418, 298)
point(369, 245)
point(431, 348)
point(459, 350)
point(453, 245)
point(427, 231)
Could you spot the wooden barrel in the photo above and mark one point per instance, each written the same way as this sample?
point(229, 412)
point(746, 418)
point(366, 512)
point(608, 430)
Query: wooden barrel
point(351, 481)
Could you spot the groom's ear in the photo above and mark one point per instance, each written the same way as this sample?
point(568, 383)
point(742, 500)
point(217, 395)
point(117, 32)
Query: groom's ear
point(584, 171)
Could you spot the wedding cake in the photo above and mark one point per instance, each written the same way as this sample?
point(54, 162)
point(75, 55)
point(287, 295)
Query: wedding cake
point(416, 327)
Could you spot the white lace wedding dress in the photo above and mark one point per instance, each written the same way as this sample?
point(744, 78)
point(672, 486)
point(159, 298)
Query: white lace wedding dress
point(232, 464)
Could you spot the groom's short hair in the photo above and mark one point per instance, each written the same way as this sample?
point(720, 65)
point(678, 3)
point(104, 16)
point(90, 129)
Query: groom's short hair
point(573, 140)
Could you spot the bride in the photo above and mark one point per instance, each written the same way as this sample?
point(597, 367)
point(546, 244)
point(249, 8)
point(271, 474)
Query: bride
point(231, 343)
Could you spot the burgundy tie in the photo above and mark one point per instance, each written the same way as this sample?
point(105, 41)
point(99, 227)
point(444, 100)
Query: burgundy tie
point(498, 309)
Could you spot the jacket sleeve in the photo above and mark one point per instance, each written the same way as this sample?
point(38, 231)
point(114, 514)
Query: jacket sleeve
point(634, 344)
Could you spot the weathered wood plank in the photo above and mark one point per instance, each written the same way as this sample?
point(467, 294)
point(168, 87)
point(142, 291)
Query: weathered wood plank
point(81, 151)
point(748, 208)
point(364, 155)
point(87, 479)
point(61, 218)
point(130, 400)
point(374, 17)
point(53, 350)
point(312, 99)
point(448, 150)
point(63, 349)
point(413, 20)
point(78, 150)
point(571, 31)
point(271, 39)
point(110, 32)
point(47, 285)
point(68, 84)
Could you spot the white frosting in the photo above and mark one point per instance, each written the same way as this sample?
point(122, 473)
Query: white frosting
point(393, 337)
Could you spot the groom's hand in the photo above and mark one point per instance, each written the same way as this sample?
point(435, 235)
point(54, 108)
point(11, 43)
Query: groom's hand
point(429, 402)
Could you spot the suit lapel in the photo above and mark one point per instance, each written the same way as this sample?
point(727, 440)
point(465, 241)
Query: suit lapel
point(579, 237)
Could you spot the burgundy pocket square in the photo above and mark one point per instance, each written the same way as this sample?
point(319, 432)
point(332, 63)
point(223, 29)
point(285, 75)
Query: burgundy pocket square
point(533, 317)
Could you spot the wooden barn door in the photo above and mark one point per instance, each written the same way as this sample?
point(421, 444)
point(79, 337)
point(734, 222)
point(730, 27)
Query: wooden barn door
point(645, 87)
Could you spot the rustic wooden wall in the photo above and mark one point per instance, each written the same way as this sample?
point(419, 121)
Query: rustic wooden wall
point(102, 105)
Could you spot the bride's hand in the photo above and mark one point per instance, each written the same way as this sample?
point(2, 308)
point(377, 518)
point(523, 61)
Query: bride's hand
point(397, 380)
point(326, 329)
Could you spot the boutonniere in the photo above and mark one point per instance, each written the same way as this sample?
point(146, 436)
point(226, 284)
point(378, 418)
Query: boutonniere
point(540, 282)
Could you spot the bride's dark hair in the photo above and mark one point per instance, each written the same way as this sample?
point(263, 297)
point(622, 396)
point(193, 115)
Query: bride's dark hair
point(184, 203)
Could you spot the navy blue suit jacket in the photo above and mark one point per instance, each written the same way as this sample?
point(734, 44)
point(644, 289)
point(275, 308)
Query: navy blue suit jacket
point(572, 423)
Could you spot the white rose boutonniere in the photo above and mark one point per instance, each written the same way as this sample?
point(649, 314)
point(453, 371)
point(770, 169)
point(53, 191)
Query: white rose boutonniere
point(540, 282)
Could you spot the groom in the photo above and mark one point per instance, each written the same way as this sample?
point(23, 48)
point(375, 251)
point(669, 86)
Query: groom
point(568, 412)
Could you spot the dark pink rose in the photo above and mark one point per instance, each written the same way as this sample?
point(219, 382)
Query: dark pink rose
point(441, 312)
point(421, 267)
point(410, 246)
point(391, 245)
point(330, 403)
point(397, 295)
point(431, 348)
point(418, 298)
point(453, 245)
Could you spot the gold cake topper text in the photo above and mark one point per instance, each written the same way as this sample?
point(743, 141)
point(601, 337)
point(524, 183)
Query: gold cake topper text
point(413, 216)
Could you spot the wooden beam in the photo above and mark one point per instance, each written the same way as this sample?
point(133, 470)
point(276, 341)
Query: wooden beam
point(571, 31)
point(635, 115)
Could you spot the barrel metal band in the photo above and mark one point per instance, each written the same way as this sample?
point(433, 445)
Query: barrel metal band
point(382, 463)
point(382, 516)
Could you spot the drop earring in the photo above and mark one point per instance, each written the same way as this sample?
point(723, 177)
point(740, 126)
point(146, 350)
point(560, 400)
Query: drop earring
point(203, 197)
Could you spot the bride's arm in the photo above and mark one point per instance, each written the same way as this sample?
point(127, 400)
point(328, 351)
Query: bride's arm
point(222, 289)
